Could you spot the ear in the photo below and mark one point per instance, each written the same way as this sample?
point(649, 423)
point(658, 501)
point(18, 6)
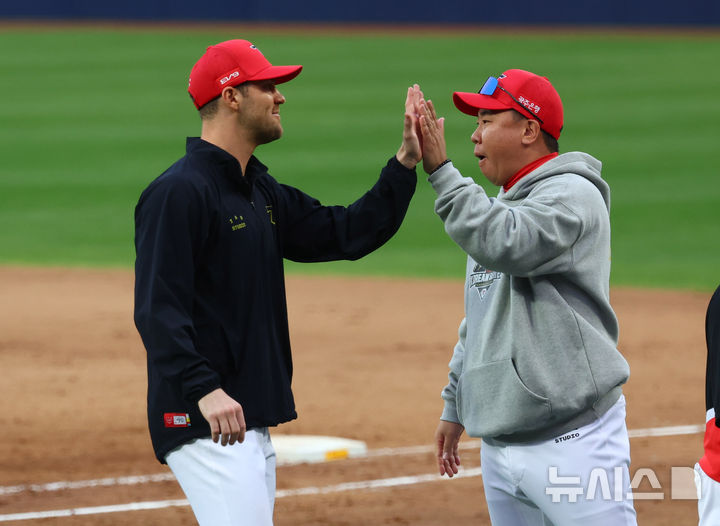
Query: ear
point(531, 132)
point(231, 98)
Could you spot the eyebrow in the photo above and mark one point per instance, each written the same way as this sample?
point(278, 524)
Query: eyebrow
point(493, 112)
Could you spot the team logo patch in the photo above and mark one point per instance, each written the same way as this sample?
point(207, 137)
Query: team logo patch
point(177, 420)
point(482, 279)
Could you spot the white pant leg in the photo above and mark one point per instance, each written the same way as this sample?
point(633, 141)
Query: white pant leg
point(228, 485)
point(708, 498)
point(507, 504)
point(270, 465)
point(598, 459)
point(591, 475)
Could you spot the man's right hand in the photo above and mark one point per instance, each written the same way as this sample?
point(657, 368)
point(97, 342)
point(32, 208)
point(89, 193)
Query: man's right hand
point(225, 416)
point(432, 136)
point(447, 437)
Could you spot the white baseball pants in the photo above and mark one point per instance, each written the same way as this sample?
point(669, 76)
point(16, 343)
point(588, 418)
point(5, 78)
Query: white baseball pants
point(228, 485)
point(708, 490)
point(708, 498)
point(579, 478)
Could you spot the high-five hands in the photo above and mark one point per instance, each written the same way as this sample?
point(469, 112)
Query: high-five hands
point(423, 133)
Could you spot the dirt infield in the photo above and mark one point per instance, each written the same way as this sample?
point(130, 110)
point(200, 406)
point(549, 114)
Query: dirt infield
point(370, 360)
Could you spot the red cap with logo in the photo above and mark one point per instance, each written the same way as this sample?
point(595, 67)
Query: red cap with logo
point(231, 63)
point(516, 89)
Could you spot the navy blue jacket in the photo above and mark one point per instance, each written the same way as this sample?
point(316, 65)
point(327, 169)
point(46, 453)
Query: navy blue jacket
point(209, 284)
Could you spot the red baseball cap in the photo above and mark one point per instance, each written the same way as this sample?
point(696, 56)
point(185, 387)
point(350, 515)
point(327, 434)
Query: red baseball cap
point(516, 89)
point(231, 63)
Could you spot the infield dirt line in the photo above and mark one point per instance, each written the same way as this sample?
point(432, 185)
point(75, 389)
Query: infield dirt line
point(373, 453)
point(311, 490)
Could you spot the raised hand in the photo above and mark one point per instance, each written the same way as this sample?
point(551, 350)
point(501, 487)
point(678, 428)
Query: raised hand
point(432, 129)
point(410, 152)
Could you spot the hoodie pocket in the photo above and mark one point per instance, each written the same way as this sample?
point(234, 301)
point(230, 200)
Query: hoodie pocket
point(492, 400)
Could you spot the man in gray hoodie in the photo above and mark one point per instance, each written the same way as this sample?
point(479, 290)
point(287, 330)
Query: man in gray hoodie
point(536, 371)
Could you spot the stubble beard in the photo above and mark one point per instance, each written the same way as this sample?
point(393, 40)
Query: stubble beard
point(262, 130)
point(268, 134)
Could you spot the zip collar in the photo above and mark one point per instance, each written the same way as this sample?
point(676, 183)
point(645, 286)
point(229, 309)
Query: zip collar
point(226, 163)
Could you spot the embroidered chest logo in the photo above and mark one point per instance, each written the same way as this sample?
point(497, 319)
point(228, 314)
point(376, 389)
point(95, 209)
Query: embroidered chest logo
point(481, 279)
point(269, 211)
point(236, 222)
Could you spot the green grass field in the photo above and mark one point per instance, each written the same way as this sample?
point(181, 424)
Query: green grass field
point(90, 117)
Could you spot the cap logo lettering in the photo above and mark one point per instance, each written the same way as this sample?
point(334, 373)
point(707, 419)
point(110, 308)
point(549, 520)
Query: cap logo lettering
point(529, 105)
point(231, 76)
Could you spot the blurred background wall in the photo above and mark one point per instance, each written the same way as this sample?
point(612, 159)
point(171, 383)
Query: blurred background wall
point(524, 12)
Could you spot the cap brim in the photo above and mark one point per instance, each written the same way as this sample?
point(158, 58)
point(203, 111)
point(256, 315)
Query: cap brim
point(471, 103)
point(279, 74)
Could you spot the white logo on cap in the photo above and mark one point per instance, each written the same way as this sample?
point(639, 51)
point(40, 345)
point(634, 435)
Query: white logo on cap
point(231, 76)
point(530, 105)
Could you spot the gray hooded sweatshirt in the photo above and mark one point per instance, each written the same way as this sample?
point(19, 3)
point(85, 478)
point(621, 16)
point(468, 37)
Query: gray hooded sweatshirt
point(537, 351)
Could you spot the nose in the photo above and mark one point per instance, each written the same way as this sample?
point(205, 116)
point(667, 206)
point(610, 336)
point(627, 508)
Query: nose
point(475, 137)
point(279, 97)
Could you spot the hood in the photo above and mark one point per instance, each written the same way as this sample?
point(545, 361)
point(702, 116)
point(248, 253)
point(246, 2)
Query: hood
point(577, 163)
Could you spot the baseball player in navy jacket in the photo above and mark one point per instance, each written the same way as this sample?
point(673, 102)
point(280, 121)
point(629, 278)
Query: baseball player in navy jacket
point(211, 234)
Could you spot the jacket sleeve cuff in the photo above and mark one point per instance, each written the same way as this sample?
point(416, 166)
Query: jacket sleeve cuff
point(447, 178)
point(196, 392)
point(449, 413)
point(398, 166)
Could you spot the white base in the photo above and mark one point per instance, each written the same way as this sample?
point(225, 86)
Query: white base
point(297, 449)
